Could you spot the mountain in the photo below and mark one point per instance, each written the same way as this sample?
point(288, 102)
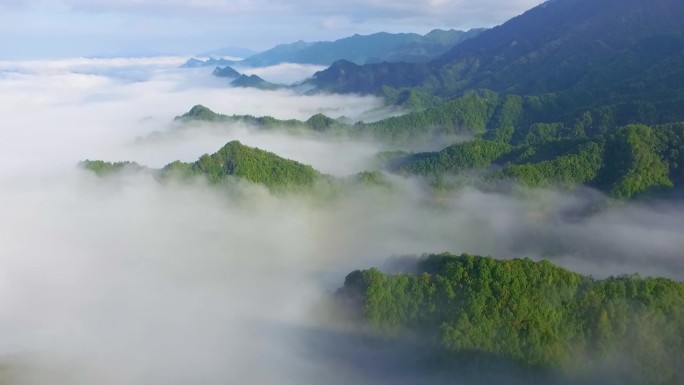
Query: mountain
point(278, 54)
point(479, 313)
point(318, 122)
point(235, 160)
point(378, 47)
point(427, 47)
point(252, 164)
point(360, 49)
point(200, 113)
point(226, 72)
point(253, 81)
point(522, 139)
point(623, 159)
point(232, 160)
point(600, 48)
point(193, 63)
point(571, 92)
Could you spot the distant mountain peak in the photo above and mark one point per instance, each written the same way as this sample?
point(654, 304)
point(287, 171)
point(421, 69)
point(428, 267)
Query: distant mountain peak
point(226, 72)
point(360, 49)
point(253, 81)
point(199, 112)
point(560, 45)
point(199, 109)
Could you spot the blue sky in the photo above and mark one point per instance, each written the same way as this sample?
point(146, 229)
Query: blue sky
point(63, 28)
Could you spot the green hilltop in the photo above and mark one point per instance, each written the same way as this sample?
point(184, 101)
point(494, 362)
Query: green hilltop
point(235, 161)
point(601, 149)
point(477, 311)
point(252, 164)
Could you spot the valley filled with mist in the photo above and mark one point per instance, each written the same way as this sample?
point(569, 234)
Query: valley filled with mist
point(162, 224)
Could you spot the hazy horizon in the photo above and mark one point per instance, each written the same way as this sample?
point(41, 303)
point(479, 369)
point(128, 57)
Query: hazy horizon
point(52, 29)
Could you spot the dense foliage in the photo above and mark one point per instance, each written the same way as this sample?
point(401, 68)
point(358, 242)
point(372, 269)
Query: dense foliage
point(102, 168)
point(577, 167)
point(235, 161)
point(455, 158)
point(572, 92)
point(252, 164)
point(592, 149)
point(467, 114)
point(535, 313)
point(570, 85)
point(635, 165)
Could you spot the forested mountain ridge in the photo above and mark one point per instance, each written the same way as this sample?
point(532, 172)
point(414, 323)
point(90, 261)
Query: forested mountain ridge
point(318, 122)
point(571, 92)
point(234, 160)
point(478, 310)
point(602, 47)
point(249, 163)
point(603, 148)
point(360, 49)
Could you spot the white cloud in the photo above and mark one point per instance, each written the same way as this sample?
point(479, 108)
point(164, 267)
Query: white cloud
point(285, 73)
point(70, 110)
point(128, 281)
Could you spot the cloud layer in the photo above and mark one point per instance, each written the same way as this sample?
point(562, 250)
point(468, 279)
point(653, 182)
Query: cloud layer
point(71, 110)
point(127, 281)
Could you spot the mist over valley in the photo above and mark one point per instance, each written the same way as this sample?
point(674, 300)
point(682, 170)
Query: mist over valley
point(396, 221)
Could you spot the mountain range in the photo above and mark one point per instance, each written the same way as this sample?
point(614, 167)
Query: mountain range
point(378, 47)
point(604, 48)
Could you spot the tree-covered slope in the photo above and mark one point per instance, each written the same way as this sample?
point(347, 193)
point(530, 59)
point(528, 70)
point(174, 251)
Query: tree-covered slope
point(533, 313)
point(234, 160)
point(200, 113)
point(634, 161)
point(318, 122)
point(625, 161)
point(569, 86)
point(255, 165)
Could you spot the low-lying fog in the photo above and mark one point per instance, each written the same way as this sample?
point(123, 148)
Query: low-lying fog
point(126, 281)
